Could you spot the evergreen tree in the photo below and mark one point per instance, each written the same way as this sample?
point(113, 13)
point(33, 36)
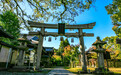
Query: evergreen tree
point(61, 48)
point(10, 23)
point(114, 9)
point(66, 42)
point(112, 45)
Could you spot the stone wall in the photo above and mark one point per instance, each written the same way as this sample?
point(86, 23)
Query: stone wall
point(4, 54)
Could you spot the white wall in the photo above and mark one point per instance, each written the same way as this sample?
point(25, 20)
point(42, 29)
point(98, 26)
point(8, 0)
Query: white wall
point(4, 52)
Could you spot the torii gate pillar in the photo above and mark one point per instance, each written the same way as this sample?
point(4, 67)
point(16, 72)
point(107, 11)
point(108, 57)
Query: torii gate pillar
point(39, 48)
point(83, 60)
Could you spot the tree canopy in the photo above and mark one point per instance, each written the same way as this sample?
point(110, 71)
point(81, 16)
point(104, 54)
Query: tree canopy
point(115, 49)
point(69, 54)
point(66, 42)
point(61, 10)
point(10, 23)
point(114, 10)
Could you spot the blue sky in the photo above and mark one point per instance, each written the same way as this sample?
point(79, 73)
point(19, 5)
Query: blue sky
point(96, 14)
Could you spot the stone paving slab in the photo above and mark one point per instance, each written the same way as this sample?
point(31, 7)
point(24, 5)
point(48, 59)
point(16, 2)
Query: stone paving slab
point(60, 71)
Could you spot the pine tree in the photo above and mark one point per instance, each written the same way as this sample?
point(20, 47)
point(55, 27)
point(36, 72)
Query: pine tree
point(66, 42)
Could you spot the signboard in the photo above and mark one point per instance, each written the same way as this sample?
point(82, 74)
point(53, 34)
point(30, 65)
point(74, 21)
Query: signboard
point(61, 28)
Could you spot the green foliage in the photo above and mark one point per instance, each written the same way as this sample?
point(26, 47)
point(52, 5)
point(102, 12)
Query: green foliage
point(117, 30)
point(66, 42)
point(10, 23)
point(61, 48)
point(114, 10)
point(93, 55)
point(56, 58)
point(69, 55)
point(63, 44)
point(60, 10)
point(111, 45)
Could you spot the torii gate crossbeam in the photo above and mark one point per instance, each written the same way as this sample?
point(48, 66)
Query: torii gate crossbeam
point(66, 34)
point(55, 26)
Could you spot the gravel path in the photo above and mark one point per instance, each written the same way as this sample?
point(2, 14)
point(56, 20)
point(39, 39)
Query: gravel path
point(60, 71)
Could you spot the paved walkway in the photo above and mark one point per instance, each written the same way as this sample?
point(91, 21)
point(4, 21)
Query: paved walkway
point(60, 71)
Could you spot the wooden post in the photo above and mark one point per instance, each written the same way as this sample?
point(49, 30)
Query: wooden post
point(39, 48)
point(83, 60)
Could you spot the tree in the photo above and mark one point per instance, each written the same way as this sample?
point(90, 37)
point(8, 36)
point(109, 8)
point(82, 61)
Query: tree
point(61, 48)
point(56, 59)
point(111, 45)
point(114, 10)
point(66, 42)
point(61, 10)
point(71, 55)
point(10, 23)
point(63, 44)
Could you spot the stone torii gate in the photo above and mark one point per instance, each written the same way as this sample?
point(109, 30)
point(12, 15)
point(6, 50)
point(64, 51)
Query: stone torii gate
point(79, 34)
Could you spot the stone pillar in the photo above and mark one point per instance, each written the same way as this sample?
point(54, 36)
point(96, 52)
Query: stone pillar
point(21, 55)
point(100, 58)
point(83, 60)
point(20, 59)
point(39, 48)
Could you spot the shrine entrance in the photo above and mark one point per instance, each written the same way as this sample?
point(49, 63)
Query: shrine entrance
point(79, 34)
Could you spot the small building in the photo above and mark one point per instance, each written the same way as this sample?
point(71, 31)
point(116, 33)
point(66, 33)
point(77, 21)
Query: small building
point(91, 57)
point(5, 49)
point(8, 54)
point(47, 52)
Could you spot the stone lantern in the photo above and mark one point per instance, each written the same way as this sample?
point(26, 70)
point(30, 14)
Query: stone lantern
point(100, 57)
point(23, 46)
